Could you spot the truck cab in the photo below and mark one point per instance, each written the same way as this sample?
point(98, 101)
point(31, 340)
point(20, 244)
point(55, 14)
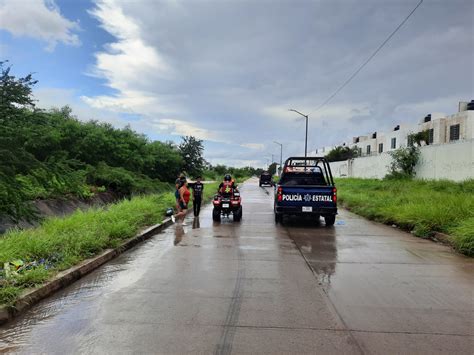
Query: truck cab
point(306, 187)
point(265, 179)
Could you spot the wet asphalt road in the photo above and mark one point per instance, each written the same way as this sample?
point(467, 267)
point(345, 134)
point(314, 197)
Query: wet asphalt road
point(254, 287)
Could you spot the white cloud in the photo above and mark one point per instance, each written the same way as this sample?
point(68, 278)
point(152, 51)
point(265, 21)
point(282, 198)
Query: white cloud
point(136, 71)
point(183, 128)
point(209, 69)
point(55, 98)
point(338, 112)
point(129, 65)
point(278, 111)
point(127, 101)
point(256, 146)
point(48, 98)
point(40, 19)
point(422, 108)
point(238, 163)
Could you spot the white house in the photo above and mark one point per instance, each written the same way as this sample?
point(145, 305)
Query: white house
point(441, 129)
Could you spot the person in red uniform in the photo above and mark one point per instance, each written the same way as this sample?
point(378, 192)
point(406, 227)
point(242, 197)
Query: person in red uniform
point(227, 185)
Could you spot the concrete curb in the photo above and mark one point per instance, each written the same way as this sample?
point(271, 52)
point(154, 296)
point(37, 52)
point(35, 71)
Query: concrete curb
point(442, 238)
point(67, 277)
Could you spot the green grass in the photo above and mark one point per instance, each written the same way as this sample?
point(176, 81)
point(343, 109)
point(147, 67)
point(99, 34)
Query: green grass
point(64, 242)
point(422, 206)
point(463, 236)
point(210, 190)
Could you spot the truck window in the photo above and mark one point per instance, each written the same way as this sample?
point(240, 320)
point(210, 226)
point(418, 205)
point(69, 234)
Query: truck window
point(312, 178)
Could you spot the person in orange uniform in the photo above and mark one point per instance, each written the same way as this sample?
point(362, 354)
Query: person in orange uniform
point(227, 185)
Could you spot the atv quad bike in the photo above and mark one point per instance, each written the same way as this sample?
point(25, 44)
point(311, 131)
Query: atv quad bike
point(226, 204)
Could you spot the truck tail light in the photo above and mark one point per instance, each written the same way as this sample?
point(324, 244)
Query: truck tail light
point(334, 195)
point(279, 195)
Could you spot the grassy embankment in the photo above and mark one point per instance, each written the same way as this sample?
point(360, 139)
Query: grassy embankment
point(423, 207)
point(60, 243)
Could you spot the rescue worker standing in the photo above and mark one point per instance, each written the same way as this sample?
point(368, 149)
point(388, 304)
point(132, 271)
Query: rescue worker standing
point(198, 189)
point(227, 185)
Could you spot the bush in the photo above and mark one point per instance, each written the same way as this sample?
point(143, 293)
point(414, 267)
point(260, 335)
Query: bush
point(463, 236)
point(341, 153)
point(124, 182)
point(403, 163)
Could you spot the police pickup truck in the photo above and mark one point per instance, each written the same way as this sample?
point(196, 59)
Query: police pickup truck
point(306, 187)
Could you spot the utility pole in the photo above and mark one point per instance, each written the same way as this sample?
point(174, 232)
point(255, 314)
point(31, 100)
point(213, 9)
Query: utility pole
point(306, 136)
point(281, 156)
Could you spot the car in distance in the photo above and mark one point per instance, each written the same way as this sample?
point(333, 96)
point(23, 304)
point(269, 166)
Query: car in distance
point(306, 187)
point(265, 179)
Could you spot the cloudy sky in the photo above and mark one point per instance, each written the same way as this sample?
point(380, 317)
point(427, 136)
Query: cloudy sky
point(227, 71)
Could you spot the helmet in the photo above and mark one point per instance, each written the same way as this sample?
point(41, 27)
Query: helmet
point(227, 177)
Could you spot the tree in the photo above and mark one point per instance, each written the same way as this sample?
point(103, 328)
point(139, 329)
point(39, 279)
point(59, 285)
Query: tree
point(164, 161)
point(423, 136)
point(50, 153)
point(191, 150)
point(15, 97)
point(15, 93)
point(272, 168)
point(403, 163)
point(341, 153)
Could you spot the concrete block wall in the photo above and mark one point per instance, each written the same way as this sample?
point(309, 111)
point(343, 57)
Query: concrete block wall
point(452, 161)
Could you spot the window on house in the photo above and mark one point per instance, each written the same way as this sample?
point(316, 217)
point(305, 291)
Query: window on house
point(360, 152)
point(380, 147)
point(394, 143)
point(368, 150)
point(410, 140)
point(454, 132)
point(430, 136)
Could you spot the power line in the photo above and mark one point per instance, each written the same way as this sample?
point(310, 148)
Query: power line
point(368, 59)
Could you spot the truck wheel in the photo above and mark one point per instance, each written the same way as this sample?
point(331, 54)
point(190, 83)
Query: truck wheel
point(316, 218)
point(216, 215)
point(278, 218)
point(329, 220)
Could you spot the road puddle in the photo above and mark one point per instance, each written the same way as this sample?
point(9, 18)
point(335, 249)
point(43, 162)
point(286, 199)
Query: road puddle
point(74, 307)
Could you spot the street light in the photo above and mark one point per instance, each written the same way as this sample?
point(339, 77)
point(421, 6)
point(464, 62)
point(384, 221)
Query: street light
point(306, 137)
point(271, 162)
point(281, 155)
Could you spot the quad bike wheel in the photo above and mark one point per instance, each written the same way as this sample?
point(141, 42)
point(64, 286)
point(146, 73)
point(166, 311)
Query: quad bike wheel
point(238, 214)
